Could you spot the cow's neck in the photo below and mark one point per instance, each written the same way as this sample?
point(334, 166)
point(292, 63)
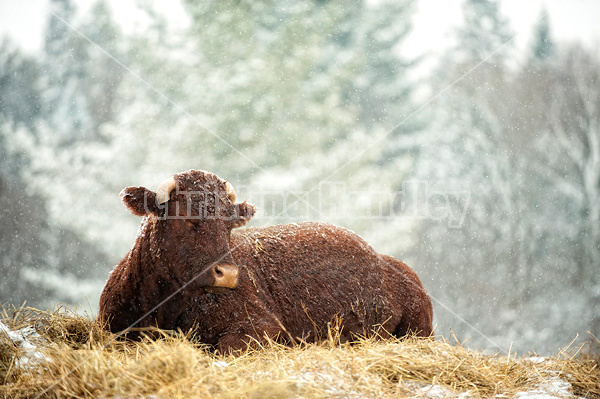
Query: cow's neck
point(149, 295)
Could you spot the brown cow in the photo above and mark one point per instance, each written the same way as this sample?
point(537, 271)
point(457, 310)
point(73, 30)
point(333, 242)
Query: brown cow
point(188, 268)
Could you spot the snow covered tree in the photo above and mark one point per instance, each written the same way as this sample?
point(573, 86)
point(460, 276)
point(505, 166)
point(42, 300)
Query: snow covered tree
point(79, 87)
point(80, 78)
point(56, 113)
point(66, 107)
point(527, 154)
point(23, 221)
point(22, 214)
point(383, 89)
point(565, 158)
point(19, 86)
point(543, 44)
point(483, 33)
point(476, 66)
point(293, 81)
point(353, 91)
point(472, 253)
point(103, 74)
point(574, 128)
point(279, 80)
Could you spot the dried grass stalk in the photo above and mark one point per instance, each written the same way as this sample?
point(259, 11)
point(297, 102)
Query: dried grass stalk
point(76, 357)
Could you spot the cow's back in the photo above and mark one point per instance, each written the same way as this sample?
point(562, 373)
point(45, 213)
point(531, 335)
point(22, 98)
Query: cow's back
point(309, 273)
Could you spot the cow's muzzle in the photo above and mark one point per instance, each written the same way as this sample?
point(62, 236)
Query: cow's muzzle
point(226, 276)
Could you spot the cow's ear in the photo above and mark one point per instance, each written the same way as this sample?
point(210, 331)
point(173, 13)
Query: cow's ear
point(139, 200)
point(243, 213)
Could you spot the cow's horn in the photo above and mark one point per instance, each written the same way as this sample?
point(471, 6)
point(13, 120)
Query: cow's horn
point(164, 190)
point(230, 191)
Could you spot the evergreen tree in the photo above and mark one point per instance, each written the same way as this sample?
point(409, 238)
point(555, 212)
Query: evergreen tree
point(79, 97)
point(305, 86)
point(292, 81)
point(81, 80)
point(485, 31)
point(19, 86)
point(66, 107)
point(103, 75)
point(51, 156)
point(543, 45)
point(475, 70)
point(383, 90)
point(22, 214)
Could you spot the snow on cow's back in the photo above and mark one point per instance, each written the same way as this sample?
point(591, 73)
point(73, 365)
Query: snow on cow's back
point(317, 235)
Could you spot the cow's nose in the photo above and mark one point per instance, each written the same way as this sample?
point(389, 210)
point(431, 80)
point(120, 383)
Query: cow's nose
point(225, 276)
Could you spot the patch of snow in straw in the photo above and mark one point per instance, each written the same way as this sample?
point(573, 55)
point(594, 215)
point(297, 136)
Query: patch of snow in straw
point(220, 364)
point(333, 384)
point(439, 392)
point(552, 388)
point(22, 338)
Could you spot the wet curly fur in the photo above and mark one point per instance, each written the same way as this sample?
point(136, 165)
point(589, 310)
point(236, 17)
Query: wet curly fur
point(293, 279)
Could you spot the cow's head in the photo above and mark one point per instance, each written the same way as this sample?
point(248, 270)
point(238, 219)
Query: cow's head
point(192, 214)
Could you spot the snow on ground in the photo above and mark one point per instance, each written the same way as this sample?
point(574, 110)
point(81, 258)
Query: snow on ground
point(333, 382)
point(23, 339)
point(552, 388)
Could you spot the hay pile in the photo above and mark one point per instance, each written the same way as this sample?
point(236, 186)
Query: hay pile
point(62, 355)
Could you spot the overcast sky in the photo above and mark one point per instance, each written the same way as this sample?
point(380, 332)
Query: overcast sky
point(570, 20)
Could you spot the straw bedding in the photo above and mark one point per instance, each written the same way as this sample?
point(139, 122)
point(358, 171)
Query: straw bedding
point(60, 354)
